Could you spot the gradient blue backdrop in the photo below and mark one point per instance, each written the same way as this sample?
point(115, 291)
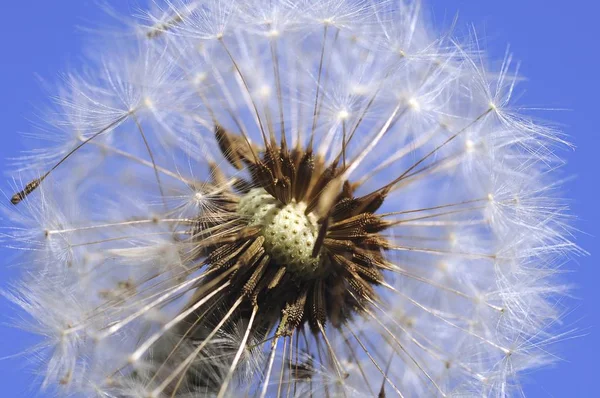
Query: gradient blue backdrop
point(556, 40)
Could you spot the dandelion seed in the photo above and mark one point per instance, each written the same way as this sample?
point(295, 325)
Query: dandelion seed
point(314, 198)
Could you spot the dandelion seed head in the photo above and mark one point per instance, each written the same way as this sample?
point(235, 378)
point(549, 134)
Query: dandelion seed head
point(278, 198)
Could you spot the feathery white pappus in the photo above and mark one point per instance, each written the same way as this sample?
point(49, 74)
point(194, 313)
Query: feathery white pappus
point(285, 198)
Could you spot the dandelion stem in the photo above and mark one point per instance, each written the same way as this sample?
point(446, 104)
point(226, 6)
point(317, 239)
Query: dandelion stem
point(238, 355)
point(137, 354)
point(272, 352)
point(188, 360)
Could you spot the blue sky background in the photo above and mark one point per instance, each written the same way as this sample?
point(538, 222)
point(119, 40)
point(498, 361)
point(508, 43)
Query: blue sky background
point(556, 41)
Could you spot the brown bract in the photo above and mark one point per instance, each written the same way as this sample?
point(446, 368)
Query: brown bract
point(349, 243)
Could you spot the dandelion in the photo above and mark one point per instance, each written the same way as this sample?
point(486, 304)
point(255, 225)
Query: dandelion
point(280, 198)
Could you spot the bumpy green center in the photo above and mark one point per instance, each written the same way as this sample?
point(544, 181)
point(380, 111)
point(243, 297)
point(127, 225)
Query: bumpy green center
point(289, 234)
